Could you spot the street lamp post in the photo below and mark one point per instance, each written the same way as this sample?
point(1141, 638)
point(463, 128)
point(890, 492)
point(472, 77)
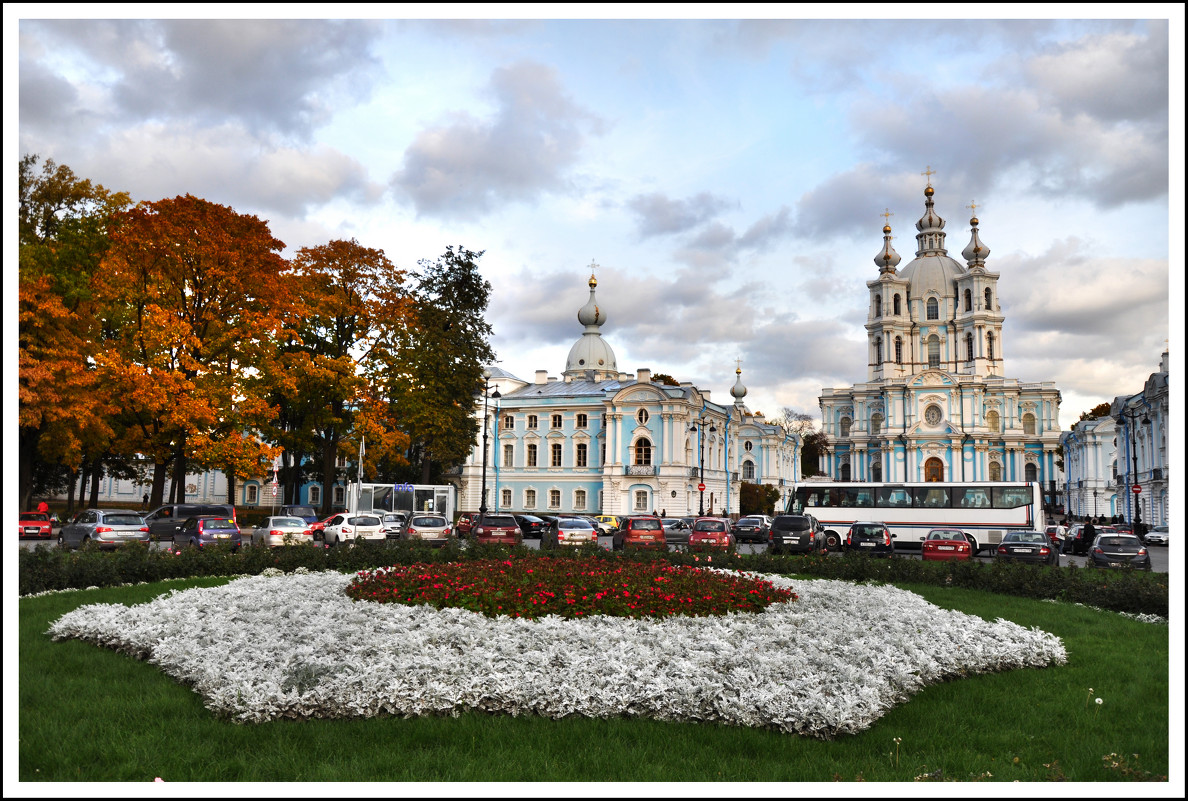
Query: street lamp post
point(1095, 504)
point(496, 395)
point(1136, 520)
point(699, 425)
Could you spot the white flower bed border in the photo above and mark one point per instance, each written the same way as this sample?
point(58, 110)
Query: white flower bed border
point(266, 647)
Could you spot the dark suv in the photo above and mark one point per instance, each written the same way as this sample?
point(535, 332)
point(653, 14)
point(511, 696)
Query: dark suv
point(496, 530)
point(794, 534)
point(165, 520)
point(870, 538)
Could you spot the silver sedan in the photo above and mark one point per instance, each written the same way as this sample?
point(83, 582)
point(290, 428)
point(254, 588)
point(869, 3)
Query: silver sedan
point(282, 531)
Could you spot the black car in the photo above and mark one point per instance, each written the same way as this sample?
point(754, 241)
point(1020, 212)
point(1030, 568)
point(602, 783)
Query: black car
point(1032, 547)
point(794, 534)
point(871, 538)
point(1119, 550)
point(750, 529)
point(531, 525)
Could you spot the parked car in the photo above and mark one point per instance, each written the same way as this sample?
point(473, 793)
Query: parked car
point(751, 529)
point(1119, 550)
point(530, 525)
point(611, 522)
point(1056, 534)
point(393, 523)
point(640, 531)
point(281, 530)
point(35, 524)
point(871, 538)
point(711, 532)
point(1076, 543)
point(306, 513)
point(571, 531)
point(433, 529)
point(1156, 536)
point(795, 534)
point(202, 531)
point(946, 545)
point(318, 529)
point(164, 521)
point(346, 527)
point(465, 523)
point(497, 530)
point(601, 529)
point(676, 530)
point(106, 528)
point(1028, 546)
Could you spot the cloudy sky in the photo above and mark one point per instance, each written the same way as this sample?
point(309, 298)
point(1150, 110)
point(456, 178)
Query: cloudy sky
point(728, 176)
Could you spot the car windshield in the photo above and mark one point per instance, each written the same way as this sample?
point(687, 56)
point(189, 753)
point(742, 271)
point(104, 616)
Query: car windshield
point(709, 525)
point(217, 522)
point(866, 531)
point(123, 520)
point(392, 517)
point(1024, 536)
point(646, 525)
point(288, 522)
point(574, 522)
point(945, 534)
point(33, 516)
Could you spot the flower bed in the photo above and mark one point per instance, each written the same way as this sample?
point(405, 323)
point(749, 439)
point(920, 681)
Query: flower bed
point(536, 587)
point(296, 646)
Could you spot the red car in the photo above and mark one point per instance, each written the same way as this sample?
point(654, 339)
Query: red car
point(465, 523)
point(640, 531)
point(35, 524)
point(710, 532)
point(318, 529)
point(945, 544)
point(496, 530)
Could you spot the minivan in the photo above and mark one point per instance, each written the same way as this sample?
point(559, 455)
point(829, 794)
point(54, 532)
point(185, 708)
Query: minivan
point(165, 521)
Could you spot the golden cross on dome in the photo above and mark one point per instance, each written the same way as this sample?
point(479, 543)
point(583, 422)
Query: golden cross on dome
point(887, 213)
point(929, 172)
point(973, 207)
point(738, 365)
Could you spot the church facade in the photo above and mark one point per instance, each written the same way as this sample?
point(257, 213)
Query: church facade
point(600, 441)
point(937, 404)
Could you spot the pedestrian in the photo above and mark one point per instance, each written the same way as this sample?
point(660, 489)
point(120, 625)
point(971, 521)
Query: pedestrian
point(664, 513)
point(1087, 535)
point(144, 501)
point(43, 507)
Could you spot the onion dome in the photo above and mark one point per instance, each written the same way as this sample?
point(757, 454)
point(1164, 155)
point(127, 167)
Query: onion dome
point(591, 352)
point(975, 252)
point(933, 270)
point(931, 239)
point(738, 390)
point(590, 314)
point(887, 258)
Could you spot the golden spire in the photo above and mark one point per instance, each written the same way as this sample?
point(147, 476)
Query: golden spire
point(929, 172)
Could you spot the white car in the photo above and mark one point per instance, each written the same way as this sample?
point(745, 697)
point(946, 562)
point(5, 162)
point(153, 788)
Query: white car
point(346, 527)
point(1157, 535)
point(430, 528)
point(393, 524)
point(282, 531)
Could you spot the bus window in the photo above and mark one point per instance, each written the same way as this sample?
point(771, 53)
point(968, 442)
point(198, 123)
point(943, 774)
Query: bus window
point(893, 497)
point(863, 497)
point(932, 497)
point(1011, 497)
point(972, 497)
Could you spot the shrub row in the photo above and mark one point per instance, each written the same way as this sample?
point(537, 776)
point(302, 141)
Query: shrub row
point(52, 568)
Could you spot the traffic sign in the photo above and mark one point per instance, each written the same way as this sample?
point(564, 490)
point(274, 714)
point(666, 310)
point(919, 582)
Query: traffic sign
point(1136, 489)
point(701, 487)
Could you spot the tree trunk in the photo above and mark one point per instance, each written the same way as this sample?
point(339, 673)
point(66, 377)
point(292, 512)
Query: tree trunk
point(81, 488)
point(426, 466)
point(230, 487)
point(160, 473)
point(96, 475)
point(329, 452)
point(179, 470)
point(70, 493)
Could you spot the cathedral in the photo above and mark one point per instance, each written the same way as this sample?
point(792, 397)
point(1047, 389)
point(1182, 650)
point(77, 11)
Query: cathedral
point(936, 404)
point(600, 441)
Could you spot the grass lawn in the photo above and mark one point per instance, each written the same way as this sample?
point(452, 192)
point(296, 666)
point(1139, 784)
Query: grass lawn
point(89, 714)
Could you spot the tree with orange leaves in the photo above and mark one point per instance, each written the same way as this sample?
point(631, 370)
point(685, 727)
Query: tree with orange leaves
point(194, 296)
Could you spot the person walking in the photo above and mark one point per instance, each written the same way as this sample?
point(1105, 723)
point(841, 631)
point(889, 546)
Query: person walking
point(1087, 535)
point(43, 507)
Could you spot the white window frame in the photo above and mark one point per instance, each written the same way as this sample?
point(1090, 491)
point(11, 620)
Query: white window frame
point(529, 499)
point(554, 499)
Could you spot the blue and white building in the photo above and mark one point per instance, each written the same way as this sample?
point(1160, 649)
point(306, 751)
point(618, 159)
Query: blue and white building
point(599, 441)
point(936, 404)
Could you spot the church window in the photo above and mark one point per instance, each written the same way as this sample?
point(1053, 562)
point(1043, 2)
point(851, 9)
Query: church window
point(995, 471)
point(895, 304)
point(748, 471)
point(844, 424)
point(969, 347)
point(898, 350)
point(990, 346)
point(602, 453)
point(878, 350)
point(878, 305)
point(876, 469)
point(1029, 473)
point(582, 421)
point(747, 446)
point(1029, 423)
point(554, 499)
point(968, 300)
point(532, 421)
point(532, 456)
point(933, 309)
point(508, 455)
point(643, 451)
point(992, 422)
point(989, 303)
point(581, 454)
point(505, 498)
point(556, 454)
point(642, 417)
point(845, 472)
point(933, 351)
point(876, 424)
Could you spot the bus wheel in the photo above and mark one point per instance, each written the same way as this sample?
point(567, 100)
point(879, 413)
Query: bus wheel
point(832, 541)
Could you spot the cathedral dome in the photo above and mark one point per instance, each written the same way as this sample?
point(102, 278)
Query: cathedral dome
point(591, 352)
point(933, 270)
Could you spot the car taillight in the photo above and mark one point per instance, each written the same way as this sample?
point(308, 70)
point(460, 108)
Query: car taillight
point(849, 541)
point(1002, 549)
point(346, 529)
point(102, 529)
point(276, 533)
point(144, 528)
point(447, 531)
point(1142, 552)
point(1098, 550)
point(412, 530)
point(886, 537)
point(1044, 550)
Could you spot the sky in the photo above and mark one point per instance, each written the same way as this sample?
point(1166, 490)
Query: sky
point(728, 177)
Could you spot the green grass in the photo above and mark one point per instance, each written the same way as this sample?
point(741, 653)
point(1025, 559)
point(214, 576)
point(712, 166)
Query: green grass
point(90, 714)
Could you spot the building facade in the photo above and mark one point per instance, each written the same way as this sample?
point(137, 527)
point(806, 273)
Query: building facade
point(600, 441)
point(1107, 458)
point(936, 404)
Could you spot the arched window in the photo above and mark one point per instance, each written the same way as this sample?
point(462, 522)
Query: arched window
point(876, 470)
point(581, 421)
point(992, 422)
point(933, 309)
point(969, 346)
point(845, 472)
point(643, 451)
point(532, 456)
point(990, 344)
point(878, 350)
point(968, 300)
point(933, 351)
point(995, 471)
point(898, 349)
point(989, 304)
point(1029, 423)
point(876, 424)
point(529, 499)
point(748, 471)
point(878, 305)
point(845, 426)
point(1030, 473)
point(895, 304)
point(642, 417)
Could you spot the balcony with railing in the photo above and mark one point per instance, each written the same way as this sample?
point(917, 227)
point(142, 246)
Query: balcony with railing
point(640, 470)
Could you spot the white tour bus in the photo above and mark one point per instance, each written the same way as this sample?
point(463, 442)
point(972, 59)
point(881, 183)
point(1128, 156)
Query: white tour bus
point(984, 511)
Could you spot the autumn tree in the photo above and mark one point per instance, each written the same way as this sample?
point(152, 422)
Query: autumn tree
point(812, 441)
point(193, 298)
point(757, 499)
point(64, 410)
point(666, 379)
point(1096, 413)
point(431, 372)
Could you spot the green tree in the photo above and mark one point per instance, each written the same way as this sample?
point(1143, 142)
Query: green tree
point(812, 441)
point(1096, 413)
point(757, 499)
